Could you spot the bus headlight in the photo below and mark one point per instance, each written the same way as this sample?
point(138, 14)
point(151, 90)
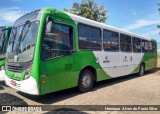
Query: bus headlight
point(28, 72)
point(2, 67)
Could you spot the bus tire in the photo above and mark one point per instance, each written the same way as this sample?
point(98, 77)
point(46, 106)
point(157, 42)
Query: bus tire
point(141, 70)
point(86, 80)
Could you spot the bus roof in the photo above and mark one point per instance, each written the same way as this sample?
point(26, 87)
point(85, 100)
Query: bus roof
point(83, 20)
point(104, 26)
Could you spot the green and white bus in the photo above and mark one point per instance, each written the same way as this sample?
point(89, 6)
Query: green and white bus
point(51, 50)
point(4, 35)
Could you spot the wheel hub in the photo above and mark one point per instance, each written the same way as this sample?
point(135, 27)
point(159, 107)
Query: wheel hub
point(86, 81)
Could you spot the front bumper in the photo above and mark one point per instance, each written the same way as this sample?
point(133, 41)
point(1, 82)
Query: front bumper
point(28, 86)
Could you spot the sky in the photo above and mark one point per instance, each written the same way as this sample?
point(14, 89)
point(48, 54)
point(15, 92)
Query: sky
point(137, 16)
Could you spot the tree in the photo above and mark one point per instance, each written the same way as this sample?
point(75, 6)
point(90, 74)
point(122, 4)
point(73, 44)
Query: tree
point(89, 9)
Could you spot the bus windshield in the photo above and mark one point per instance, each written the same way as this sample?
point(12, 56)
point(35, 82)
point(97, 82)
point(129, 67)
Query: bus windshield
point(1, 28)
point(22, 42)
point(3, 44)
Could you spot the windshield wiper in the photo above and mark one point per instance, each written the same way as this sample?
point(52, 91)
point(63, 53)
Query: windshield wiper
point(20, 36)
point(2, 41)
point(14, 35)
point(11, 40)
point(22, 39)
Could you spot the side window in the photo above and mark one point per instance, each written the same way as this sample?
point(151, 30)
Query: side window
point(110, 41)
point(145, 46)
point(153, 50)
point(125, 41)
point(59, 42)
point(89, 37)
point(150, 46)
point(2, 39)
point(136, 44)
point(6, 40)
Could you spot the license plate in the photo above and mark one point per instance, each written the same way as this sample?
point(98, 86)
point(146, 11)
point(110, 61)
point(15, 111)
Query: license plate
point(13, 82)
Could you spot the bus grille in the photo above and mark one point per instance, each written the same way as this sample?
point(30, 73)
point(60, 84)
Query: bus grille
point(14, 68)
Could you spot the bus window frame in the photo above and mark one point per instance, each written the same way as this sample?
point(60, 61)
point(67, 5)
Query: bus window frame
point(44, 30)
point(154, 47)
point(126, 44)
point(134, 44)
point(31, 61)
point(145, 46)
point(90, 38)
point(118, 50)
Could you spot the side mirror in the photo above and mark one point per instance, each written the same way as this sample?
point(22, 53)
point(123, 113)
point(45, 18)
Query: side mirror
point(48, 26)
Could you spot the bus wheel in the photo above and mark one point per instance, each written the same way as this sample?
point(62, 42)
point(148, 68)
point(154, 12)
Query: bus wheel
point(141, 70)
point(85, 82)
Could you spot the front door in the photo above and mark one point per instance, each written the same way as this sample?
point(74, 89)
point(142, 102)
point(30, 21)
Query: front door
point(57, 57)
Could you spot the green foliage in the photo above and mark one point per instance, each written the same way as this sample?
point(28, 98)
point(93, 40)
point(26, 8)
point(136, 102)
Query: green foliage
point(89, 9)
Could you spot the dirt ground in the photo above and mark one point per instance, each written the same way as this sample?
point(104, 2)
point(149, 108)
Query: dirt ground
point(127, 90)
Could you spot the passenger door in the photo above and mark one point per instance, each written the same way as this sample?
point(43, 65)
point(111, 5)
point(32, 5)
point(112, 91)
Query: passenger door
point(57, 57)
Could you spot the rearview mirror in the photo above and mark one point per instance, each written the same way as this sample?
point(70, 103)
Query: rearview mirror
point(48, 26)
